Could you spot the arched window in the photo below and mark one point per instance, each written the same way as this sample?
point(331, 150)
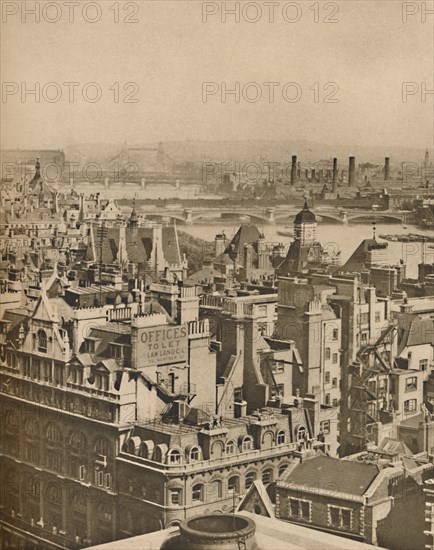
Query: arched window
point(42, 341)
point(197, 492)
point(234, 485)
point(194, 454)
point(230, 447)
point(77, 442)
point(53, 492)
point(174, 456)
point(281, 437)
point(267, 476)
point(31, 427)
point(53, 434)
point(247, 444)
point(215, 489)
point(282, 469)
point(11, 422)
point(250, 478)
point(103, 447)
point(301, 433)
point(147, 449)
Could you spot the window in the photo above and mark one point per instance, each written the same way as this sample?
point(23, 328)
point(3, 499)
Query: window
point(281, 437)
point(279, 366)
point(77, 441)
point(234, 485)
point(410, 405)
point(364, 338)
point(364, 318)
point(103, 447)
point(247, 444)
point(301, 433)
point(250, 478)
point(327, 399)
point(299, 508)
point(327, 378)
point(215, 489)
point(282, 469)
point(175, 497)
point(194, 454)
point(197, 492)
point(325, 426)
point(277, 390)
point(334, 358)
point(99, 478)
point(174, 456)
point(108, 481)
point(335, 382)
point(423, 364)
point(42, 341)
point(230, 447)
point(340, 517)
point(327, 353)
point(82, 473)
point(411, 383)
point(335, 402)
point(335, 334)
point(238, 395)
point(267, 477)
point(377, 317)
point(54, 435)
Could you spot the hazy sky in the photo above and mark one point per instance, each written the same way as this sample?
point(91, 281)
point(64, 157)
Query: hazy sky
point(170, 52)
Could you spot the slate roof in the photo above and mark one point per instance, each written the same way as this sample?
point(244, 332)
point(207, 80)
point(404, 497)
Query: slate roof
point(305, 215)
point(358, 260)
point(246, 234)
point(416, 333)
point(346, 476)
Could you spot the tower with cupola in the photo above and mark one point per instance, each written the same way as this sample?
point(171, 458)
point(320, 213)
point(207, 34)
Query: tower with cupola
point(305, 252)
point(305, 226)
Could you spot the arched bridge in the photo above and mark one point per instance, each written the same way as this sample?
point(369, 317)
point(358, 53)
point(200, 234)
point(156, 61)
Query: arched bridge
point(269, 215)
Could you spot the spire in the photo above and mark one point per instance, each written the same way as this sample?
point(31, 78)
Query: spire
point(132, 222)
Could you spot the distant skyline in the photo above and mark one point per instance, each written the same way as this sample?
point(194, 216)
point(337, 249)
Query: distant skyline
point(170, 53)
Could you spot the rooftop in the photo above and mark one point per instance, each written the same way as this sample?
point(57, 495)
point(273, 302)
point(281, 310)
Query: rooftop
point(270, 533)
point(346, 476)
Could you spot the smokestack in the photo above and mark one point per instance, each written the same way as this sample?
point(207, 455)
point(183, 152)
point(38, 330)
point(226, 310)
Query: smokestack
point(387, 169)
point(335, 175)
point(294, 169)
point(352, 172)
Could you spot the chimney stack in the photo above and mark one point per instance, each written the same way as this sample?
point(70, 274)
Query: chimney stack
point(352, 172)
point(294, 169)
point(387, 169)
point(335, 175)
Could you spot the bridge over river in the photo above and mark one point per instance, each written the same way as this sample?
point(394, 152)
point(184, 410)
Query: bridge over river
point(269, 215)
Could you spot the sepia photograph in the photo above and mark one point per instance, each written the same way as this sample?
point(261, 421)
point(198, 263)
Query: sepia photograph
point(217, 275)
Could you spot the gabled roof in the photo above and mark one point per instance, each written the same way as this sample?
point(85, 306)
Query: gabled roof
point(257, 493)
point(346, 476)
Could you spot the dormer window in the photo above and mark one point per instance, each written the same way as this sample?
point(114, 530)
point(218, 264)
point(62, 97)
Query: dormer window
point(90, 345)
point(174, 456)
point(247, 444)
point(116, 351)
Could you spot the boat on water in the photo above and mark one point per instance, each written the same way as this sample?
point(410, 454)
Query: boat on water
point(409, 238)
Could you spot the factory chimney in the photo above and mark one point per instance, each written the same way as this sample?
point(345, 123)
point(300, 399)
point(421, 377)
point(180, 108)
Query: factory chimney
point(335, 175)
point(387, 169)
point(294, 169)
point(352, 172)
